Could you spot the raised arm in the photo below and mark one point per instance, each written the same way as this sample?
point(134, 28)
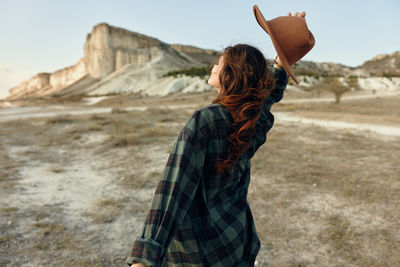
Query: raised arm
point(281, 79)
point(266, 119)
point(173, 195)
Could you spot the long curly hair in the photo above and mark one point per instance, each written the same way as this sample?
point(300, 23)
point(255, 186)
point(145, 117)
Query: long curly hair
point(245, 81)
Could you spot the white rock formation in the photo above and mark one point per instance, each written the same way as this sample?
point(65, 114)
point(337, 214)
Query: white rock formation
point(380, 83)
point(170, 85)
point(109, 53)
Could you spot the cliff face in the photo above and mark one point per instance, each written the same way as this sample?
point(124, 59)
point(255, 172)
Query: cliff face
point(46, 83)
point(66, 76)
point(24, 89)
point(107, 49)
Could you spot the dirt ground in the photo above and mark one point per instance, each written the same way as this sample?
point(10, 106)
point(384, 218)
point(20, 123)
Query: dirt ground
point(75, 188)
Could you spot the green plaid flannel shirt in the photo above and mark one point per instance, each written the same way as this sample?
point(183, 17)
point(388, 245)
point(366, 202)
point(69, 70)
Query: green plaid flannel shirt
point(197, 218)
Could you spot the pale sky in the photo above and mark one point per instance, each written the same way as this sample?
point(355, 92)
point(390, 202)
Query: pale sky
point(47, 35)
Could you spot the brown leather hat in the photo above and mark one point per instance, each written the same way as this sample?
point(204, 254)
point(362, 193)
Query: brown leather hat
point(290, 36)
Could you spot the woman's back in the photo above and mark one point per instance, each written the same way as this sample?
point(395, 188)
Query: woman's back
point(199, 217)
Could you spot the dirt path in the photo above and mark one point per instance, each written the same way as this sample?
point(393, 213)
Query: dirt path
point(288, 117)
point(281, 117)
point(344, 98)
point(52, 111)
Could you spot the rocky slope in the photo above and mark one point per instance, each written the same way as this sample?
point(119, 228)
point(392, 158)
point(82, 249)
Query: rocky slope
point(384, 64)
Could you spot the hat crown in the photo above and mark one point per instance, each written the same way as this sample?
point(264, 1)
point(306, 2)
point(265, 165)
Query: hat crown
point(292, 35)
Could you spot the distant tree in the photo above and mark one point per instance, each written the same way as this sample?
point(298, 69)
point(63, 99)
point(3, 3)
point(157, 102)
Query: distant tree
point(352, 81)
point(330, 84)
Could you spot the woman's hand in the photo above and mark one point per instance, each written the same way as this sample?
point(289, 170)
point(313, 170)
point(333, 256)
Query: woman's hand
point(302, 14)
point(277, 62)
point(138, 265)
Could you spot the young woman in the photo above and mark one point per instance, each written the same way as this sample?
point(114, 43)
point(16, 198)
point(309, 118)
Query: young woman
point(199, 214)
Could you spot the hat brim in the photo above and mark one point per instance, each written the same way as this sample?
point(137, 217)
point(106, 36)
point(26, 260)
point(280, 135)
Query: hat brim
point(264, 24)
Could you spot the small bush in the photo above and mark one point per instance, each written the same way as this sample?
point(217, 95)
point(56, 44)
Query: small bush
point(60, 119)
point(118, 110)
point(125, 140)
point(192, 72)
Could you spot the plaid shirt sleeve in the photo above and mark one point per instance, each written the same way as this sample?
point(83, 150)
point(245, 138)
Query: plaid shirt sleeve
point(266, 120)
point(173, 195)
point(281, 80)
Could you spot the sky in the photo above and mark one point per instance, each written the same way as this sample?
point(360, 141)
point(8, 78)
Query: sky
point(48, 35)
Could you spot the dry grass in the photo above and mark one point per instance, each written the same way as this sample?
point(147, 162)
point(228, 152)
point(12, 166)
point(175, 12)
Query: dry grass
point(124, 141)
point(56, 168)
point(138, 128)
point(60, 119)
point(6, 238)
point(118, 110)
point(105, 211)
point(9, 209)
point(319, 197)
point(326, 197)
point(8, 172)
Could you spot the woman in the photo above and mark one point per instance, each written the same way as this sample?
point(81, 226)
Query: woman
point(199, 213)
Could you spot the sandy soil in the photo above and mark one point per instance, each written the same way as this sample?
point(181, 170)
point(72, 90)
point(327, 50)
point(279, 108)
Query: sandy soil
point(75, 188)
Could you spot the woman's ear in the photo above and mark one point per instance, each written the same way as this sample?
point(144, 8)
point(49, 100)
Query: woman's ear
point(225, 77)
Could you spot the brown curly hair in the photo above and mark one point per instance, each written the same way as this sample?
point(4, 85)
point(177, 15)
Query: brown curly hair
point(245, 81)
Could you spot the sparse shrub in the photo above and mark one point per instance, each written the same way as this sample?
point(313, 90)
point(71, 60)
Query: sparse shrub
point(167, 119)
point(56, 169)
point(9, 209)
point(118, 110)
point(125, 140)
point(94, 128)
point(96, 117)
point(286, 107)
point(50, 228)
point(157, 110)
point(157, 132)
point(6, 238)
point(59, 119)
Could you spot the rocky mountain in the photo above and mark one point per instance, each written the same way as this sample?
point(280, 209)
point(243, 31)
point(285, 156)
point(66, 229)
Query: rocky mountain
point(207, 56)
point(310, 68)
point(115, 60)
point(383, 65)
point(118, 61)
